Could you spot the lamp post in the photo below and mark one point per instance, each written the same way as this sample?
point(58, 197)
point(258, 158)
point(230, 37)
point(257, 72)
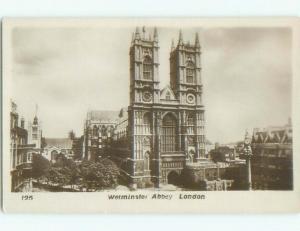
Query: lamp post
point(248, 154)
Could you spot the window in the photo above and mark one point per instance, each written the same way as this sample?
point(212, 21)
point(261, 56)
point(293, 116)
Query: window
point(190, 124)
point(147, 68)
point(95, 131)
point(168, 96)
point(169, 134)
point(104, 131)
point(29, 157)
point(147, 123)
point(190, 72)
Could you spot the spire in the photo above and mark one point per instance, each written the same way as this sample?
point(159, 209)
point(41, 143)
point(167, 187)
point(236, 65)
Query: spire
point(35, 119)
point(172, 46)
point(197, 43)
point(36, 109)
point(155, 35)
point(180, 40)
point(137, 33)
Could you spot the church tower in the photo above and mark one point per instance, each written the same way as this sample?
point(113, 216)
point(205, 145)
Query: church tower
point(144, 82)
point(142, 117)
point(35, 132)
point(185, 81)
point(185, 71)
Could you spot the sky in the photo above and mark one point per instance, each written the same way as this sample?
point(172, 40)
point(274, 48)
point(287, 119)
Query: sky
point(246, 75)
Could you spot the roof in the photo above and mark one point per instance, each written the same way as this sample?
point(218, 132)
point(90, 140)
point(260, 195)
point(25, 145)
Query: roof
point(273, 135)
point(62, 143)
point(164, 91)
point(103, 115)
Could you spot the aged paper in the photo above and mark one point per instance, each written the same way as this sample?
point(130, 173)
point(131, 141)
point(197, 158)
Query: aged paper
point(135, 115)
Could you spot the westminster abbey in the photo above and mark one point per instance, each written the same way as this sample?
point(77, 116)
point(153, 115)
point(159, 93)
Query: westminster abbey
point(162, 130)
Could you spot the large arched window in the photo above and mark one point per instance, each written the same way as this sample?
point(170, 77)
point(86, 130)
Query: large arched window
point(168, 138)
point(147, 68)
point(190, 72)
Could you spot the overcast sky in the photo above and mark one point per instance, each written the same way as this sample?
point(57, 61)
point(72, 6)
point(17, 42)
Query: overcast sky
point(246, 74)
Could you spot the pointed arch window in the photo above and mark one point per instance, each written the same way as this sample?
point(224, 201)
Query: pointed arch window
point(190, 72)
point(168, 134)
point(147, 68)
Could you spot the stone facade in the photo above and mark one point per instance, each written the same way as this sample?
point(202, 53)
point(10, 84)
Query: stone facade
point(98, 131)
point(55, 146)
point(20, 152)
point(164, 129)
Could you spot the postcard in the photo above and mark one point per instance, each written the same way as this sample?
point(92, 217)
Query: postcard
point(141, 115)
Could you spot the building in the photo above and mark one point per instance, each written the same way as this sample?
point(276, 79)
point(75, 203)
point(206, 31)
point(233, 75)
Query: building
point(18, 135)
point(77, 147)
point(98, 131)
point(20, 153)
point(223, 153)
point(55, 146)
point(164, 128)
point(211, 176)
point(272, 158)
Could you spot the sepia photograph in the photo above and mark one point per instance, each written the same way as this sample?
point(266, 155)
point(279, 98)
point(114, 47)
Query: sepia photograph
point(141, 109)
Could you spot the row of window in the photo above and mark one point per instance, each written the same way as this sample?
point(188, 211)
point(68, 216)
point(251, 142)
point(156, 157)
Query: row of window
point(148, 71)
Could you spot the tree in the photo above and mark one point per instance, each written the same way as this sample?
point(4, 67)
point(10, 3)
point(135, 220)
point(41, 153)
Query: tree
point(61, 160)
point(40, 166)
point(98, 175)
point(92, 175)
